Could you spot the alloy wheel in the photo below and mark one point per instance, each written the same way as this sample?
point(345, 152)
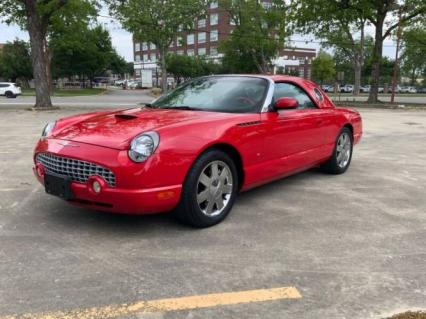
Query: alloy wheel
point(214, 188)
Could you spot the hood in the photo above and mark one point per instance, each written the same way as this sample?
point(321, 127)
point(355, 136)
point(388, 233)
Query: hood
point(117, 129)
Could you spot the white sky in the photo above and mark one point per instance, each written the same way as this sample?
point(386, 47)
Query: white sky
point(122, 40)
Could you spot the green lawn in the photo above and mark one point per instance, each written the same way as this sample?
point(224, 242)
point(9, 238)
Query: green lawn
point(380, 94)
point(67, 92)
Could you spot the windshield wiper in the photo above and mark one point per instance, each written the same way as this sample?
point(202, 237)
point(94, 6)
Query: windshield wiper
point(180, 107)
point(149, 105)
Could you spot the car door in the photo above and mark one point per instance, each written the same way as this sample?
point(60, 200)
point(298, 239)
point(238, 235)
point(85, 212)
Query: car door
point(2, 89)
point(294, 138)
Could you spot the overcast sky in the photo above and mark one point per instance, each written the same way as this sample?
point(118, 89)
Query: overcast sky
point(122, 40)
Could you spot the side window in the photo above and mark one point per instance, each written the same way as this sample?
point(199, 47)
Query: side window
point(3, 85)
point(291, 90)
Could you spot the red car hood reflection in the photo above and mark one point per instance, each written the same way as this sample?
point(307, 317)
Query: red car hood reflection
point(117, 129)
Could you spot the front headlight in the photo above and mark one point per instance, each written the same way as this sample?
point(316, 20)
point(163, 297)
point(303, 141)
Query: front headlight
point(48, 128)
point(143, 146)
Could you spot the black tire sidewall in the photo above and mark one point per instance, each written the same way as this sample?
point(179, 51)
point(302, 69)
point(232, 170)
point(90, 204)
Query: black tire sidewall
point(339, 169)
point(188, 208)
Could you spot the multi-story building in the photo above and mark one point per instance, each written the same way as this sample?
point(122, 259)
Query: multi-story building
point(204, 41)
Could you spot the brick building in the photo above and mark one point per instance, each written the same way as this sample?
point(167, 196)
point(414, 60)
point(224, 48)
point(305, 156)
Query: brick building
point(204, 41)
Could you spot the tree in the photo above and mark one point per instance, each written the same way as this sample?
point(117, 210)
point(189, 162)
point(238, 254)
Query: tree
point(338, 26)
point(38, 17)
point(385, 15)
point(15, 61)
point(413, 57)
point(323, 68)
point(158, 22)
point(258, 36)
point(184, 66)
point(382, 14)
point(86, 53)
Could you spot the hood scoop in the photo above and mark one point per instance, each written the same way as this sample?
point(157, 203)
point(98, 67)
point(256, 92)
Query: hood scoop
point(123, 116)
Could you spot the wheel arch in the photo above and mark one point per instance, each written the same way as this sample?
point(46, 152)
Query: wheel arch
point(350, 127)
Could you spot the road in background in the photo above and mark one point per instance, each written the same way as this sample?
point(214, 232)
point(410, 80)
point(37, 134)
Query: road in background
point(112, 98)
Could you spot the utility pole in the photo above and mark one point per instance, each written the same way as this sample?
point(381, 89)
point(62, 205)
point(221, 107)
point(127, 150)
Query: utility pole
point(396, 66)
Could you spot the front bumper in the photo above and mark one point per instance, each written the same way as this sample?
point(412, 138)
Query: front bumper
point(132, 194)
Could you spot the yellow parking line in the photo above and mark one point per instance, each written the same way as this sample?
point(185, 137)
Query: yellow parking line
point(170, 304)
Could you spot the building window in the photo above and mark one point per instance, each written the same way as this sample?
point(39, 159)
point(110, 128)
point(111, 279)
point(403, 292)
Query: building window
point(153, 57)
point(201, 37)
point(137, 58)
point(137, 46)
point(301, 72)
point(172, 44)
point(214, 4)
point(301, 60)
point(145, 57)
point(201, 23)
point(179, 41)
point(138, 72)
point(190, 39)
point(190, 52)
point(201, 51)
point(179, 52)
point(213, 51)
point(144, 46)
point(285, 57)
point(214, 19)
point(233, 21)
point(214, 35)
point(153, 46)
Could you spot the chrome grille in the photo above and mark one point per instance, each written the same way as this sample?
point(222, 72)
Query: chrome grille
point(78, 171)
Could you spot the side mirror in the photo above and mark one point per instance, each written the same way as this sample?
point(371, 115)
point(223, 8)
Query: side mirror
point(286, 103)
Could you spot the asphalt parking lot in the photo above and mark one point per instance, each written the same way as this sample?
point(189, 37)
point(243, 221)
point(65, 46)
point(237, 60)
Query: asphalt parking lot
point(349, 246)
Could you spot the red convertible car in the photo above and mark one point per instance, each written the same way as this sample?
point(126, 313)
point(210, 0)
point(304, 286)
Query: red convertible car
point(193, 149)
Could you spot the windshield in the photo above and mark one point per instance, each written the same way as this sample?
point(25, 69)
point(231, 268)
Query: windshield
point(233, 94)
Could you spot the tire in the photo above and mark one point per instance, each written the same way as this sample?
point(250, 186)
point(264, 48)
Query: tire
point(10, 95)
point(211, 182)
point(339, 162)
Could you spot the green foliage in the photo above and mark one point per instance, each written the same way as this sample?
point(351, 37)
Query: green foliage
point(183, 66)
point(15, 61)
point(88, 52)
point(258, 36)
point(323, 68)
point(414, 53)
point(53, 13)
point(158, 21)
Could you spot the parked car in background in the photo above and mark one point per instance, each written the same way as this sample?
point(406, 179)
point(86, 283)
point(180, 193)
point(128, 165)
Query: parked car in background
point(347, 88)
point(365, 89)
point(381, 89)
point(10, 90)
point(408, 89)
point(195, 148)
point(422, 90)
point(327, 88)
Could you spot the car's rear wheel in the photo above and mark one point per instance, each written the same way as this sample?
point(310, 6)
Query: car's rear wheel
point(10, 95)
point(342, 154)
point(209, 190)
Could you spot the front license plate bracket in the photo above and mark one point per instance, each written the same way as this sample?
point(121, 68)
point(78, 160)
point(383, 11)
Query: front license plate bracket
point(58, 185)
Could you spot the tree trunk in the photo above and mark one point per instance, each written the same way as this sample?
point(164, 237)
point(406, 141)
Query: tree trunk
point(377, 58)
point(357, 71)
point(163, 70)
point(37, 32)
point(359, 61)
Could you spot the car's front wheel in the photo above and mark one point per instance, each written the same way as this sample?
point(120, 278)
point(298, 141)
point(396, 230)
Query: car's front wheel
point(10, 95)
point(209, 190)
point(342, 154)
